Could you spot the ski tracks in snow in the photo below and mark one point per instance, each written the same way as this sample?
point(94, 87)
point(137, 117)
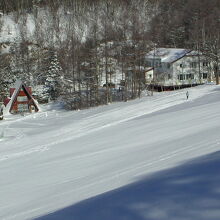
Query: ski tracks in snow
point(23, 153)
point(92, 123)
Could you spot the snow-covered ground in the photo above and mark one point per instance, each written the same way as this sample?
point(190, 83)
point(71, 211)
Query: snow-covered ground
point(152, 158)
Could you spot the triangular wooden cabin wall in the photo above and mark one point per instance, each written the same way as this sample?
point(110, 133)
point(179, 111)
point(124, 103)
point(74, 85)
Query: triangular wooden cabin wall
point(31, 101)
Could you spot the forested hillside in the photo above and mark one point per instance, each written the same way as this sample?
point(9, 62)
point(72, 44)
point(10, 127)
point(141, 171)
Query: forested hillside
point(72, 49)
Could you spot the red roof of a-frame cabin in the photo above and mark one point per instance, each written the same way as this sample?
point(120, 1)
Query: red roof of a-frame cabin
point(21, 92)
point(6, 101)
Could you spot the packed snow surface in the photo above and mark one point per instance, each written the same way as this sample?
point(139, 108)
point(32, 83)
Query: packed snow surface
point(57, 159)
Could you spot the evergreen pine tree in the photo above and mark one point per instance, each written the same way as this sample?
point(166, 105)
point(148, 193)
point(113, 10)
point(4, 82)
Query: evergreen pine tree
point(54, 78)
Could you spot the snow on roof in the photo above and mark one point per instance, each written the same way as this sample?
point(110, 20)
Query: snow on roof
point(149, 69)
point(194, 53)
point(167, 55)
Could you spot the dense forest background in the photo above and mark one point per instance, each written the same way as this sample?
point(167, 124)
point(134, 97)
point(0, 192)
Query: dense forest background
point(71, 49)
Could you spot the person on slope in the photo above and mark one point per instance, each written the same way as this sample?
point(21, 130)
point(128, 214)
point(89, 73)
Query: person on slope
point(187, 94)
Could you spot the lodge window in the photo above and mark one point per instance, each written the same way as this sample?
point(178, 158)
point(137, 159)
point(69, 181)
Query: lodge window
point(181, 77)
point(204, 75)
point(189, 76)
point(193, 65)
point(181, 65)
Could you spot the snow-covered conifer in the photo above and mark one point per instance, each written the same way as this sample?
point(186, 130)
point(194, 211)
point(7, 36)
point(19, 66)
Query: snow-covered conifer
point(54, 78)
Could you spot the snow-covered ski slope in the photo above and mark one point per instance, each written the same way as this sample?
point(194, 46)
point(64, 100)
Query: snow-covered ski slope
point(52, 160)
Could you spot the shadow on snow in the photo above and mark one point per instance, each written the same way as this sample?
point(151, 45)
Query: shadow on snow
point(190, 192)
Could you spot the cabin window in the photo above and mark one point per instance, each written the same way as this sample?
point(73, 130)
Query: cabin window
point(168, 65)
point(205, 75)
point(169, 76)
point(23, 108)
point(181, 65)
point(22, 98)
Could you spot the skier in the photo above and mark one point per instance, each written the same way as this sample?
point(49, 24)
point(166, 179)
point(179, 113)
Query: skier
point(187, 94)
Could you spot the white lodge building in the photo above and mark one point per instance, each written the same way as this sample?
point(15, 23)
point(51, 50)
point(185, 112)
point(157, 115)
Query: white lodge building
point(177, 68)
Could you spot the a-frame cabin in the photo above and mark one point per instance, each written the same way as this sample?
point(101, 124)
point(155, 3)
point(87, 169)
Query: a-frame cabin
point(21, 100)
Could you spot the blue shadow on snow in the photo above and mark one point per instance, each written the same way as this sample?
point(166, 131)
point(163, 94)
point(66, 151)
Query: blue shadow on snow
point(188, 192)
